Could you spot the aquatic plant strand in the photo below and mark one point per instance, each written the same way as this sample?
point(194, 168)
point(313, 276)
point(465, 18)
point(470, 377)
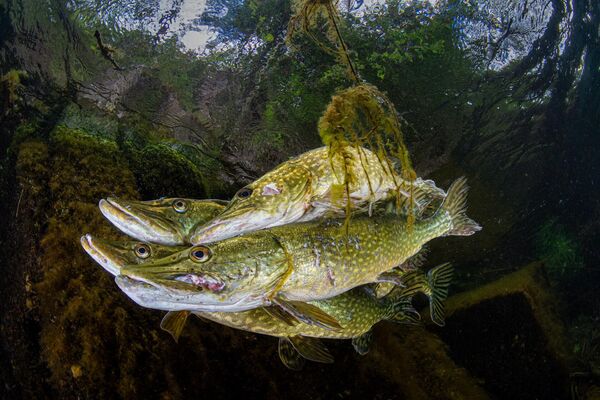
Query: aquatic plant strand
point(342, 123)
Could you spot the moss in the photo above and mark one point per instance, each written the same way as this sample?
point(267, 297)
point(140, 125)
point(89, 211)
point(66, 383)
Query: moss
point(10, 90)
point(554, 245)
point(162, 171)
point(94, 341)
point(76, 299)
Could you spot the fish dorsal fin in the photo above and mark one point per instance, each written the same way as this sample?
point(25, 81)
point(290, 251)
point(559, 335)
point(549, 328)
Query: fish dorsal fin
point(311, 349)
point(278, 313)
point(173, 322)
point(289, 356)
point(307, 313)
point(362, 343)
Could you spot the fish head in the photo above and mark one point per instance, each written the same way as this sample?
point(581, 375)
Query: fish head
point(114, 255)
point(164, 221)
point(279, 197)
point(216, 276)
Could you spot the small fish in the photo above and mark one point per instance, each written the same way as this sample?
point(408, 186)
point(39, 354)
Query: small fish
point(294, 264)
point(164, 221)
point(308, 187)
point(356, 309)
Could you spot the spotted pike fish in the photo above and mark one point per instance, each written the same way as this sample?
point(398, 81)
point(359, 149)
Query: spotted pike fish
point(164, 221)
point(356, 310)
point(310, 186)
point(294, 264)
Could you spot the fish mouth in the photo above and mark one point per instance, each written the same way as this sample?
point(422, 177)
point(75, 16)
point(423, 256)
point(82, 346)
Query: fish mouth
point(156, 297)
point(202, 281)
point(102, 254)
point(139, 223)
point(176, 282)
point(227, 226)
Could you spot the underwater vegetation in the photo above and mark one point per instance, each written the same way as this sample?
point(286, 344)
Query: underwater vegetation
point(10, 88)
point(102, 99)
point(559, 249)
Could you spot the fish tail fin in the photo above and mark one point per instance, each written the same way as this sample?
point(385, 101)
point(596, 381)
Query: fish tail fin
point(455, 205)
point(438, 280)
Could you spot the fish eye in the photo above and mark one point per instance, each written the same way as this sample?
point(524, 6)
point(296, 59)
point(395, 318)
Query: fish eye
point(199, 253)
point(142, 250)
point(244, 193)
point(179, 205)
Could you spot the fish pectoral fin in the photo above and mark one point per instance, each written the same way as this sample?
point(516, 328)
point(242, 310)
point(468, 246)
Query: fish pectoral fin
point(173, 322)
point(362, 343)
point(279, 313)
point(289, 356)
point(307, 313)
point(311, 349)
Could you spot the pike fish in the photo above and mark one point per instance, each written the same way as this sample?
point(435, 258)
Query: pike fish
point(290, 265)
point(164, 221)
point(356, 309)
point(310, 186)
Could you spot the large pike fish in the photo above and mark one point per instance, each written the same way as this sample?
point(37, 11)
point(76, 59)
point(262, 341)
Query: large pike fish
point(356, 310)
point(294, 264)
point(310, 186)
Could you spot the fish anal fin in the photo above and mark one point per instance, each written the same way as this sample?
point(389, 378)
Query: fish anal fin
point(362, 343)
point(311, 349)
point(307, 313)
point(173, 322)
point(289, 356)
point(278, 313)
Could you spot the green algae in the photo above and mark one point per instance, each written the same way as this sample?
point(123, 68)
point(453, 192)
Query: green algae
point(77, 303)
point(162, 171)
point(561, 253)
point(94, 342)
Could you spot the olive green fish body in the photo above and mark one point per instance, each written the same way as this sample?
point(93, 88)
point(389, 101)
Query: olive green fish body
point(299, 262)
point(356, 311)
point(308, 187)
point(326, 261)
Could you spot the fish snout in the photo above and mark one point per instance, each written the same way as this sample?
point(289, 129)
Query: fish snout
point(139, 223)
point(101, 253)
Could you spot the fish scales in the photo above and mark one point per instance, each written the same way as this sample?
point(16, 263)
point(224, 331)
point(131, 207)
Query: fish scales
point(356, 311)
point(305, 188)
point(298, 262)
point(372, 246)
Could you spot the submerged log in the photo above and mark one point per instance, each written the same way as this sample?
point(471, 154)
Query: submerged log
point(507, 333)
point(417, 362)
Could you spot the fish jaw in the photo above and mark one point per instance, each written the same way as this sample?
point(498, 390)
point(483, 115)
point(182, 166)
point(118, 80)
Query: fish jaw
point(107, 256)
point(158, 298)
point(134, 222)
point(232, 224)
